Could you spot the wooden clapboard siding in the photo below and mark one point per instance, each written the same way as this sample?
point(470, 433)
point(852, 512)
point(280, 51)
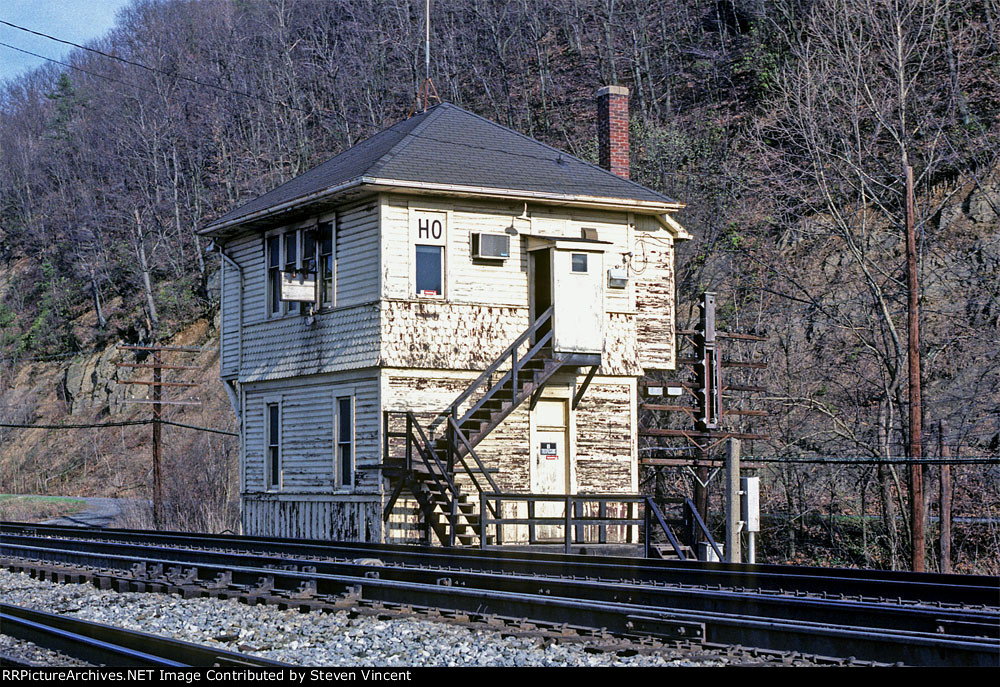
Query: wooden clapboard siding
point(357, 254)
point(342, 338)
point(245, 251)
point(229, 336)
point(312, 518)
point(307, 426)
point(489, 282)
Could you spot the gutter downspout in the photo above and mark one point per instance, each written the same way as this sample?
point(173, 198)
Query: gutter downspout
point(231, 388)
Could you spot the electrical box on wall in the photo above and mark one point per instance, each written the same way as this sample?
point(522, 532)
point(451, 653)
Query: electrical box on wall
point(617, 278)
point(490, 246)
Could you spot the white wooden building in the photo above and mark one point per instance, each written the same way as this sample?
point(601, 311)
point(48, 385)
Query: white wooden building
point(428, 253)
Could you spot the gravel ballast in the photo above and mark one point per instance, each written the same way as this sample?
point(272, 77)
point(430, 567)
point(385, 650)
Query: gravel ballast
point(317, 639)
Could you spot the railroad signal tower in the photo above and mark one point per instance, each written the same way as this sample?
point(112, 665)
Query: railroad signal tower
point(700, 395)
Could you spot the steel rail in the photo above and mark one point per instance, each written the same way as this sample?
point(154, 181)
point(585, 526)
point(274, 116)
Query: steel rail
point(101, 644)
point(716, 624)
point(810, 609)
point(926, 587)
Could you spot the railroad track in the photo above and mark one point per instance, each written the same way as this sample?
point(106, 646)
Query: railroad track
point(942, 620)
point(99, 644)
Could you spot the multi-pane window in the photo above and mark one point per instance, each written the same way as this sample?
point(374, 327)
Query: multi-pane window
point(345, 441)
point(273, 244)
point(430, 270)
point(273, 458)
point(326, 265)
point(309, 251)
point(292, 239)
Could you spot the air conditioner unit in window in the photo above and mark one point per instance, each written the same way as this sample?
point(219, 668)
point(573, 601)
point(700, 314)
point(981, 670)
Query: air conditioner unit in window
point(490, 246)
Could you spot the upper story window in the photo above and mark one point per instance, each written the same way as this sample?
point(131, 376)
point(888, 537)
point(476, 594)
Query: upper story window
point(430, 270)
point(309, 250)
point(429, 237)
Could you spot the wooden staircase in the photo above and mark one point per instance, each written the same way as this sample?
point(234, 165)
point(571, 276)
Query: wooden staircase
point(431, 464)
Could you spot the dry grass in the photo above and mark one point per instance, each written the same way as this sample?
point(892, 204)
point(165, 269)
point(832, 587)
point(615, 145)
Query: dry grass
point(37, 508)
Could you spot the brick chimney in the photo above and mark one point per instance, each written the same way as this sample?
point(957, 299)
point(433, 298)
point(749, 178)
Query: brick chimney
point(612, 129)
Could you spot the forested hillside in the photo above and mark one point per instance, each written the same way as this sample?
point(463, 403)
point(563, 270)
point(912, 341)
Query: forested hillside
point(783, 125)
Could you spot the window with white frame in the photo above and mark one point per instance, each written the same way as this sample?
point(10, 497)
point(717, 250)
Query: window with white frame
point(272, 458)
point(308, 250)
point(344, 413)
point(430, 270)
point(429, 238)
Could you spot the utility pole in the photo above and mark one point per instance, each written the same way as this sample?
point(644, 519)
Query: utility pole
point(157, 365)
point(733, 509)
point(944, 451)
point(913, 355)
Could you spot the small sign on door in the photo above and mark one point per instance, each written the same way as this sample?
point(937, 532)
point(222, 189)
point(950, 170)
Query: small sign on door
point(548, 450)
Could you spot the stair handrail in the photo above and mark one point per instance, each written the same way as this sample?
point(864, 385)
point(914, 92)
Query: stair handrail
point(503, 380)
point(426, 449)
point(479, 463)
point(510, 351)
point(653, 509)
point(701, 524)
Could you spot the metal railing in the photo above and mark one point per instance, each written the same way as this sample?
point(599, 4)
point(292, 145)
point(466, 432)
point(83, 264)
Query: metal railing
point(575, 526)
point(516, 364)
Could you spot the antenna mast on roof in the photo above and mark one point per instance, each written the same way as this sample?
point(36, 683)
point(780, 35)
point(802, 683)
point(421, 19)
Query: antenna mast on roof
point(426, 90)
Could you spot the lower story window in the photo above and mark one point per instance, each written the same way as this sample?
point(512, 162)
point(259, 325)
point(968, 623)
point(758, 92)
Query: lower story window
point(273, 458)
point(345, 441)
point(430, 270)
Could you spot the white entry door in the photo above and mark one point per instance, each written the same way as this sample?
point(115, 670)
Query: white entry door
point(550, 463)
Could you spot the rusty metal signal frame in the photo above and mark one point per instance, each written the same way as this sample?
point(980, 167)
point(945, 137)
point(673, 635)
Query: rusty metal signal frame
point(707, 414)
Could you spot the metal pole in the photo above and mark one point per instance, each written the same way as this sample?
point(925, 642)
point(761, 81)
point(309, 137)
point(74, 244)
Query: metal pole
point(913, 355)
point(700, 491)
point(427, 44)
point(751, 547)
point(733, 554)
point(945, 503)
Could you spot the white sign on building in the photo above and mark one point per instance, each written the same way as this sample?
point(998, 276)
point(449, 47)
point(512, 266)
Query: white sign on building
point(298, 286)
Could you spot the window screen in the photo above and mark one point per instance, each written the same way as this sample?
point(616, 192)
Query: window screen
point(430, 263)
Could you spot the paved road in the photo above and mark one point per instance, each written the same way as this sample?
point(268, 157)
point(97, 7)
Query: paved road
point(100, 512)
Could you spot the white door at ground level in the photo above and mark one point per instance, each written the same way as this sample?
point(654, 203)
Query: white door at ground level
point(550, 463)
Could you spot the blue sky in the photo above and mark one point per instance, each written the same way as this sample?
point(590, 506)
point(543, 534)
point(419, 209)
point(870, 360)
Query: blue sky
point(78, 21)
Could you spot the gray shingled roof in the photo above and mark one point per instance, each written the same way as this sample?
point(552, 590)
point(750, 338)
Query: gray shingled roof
point(449, 145)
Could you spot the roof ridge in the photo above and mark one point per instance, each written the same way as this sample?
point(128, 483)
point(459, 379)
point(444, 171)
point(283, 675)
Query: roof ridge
point(556, 150)
point(429, 115)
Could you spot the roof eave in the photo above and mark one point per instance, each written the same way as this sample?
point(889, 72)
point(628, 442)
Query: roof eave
point(218, 228)
point(645, 206)
point(376, 184)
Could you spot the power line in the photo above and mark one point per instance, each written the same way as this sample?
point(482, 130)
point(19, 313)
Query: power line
point(151, 69)
point(123, 423)
point(975, 460)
